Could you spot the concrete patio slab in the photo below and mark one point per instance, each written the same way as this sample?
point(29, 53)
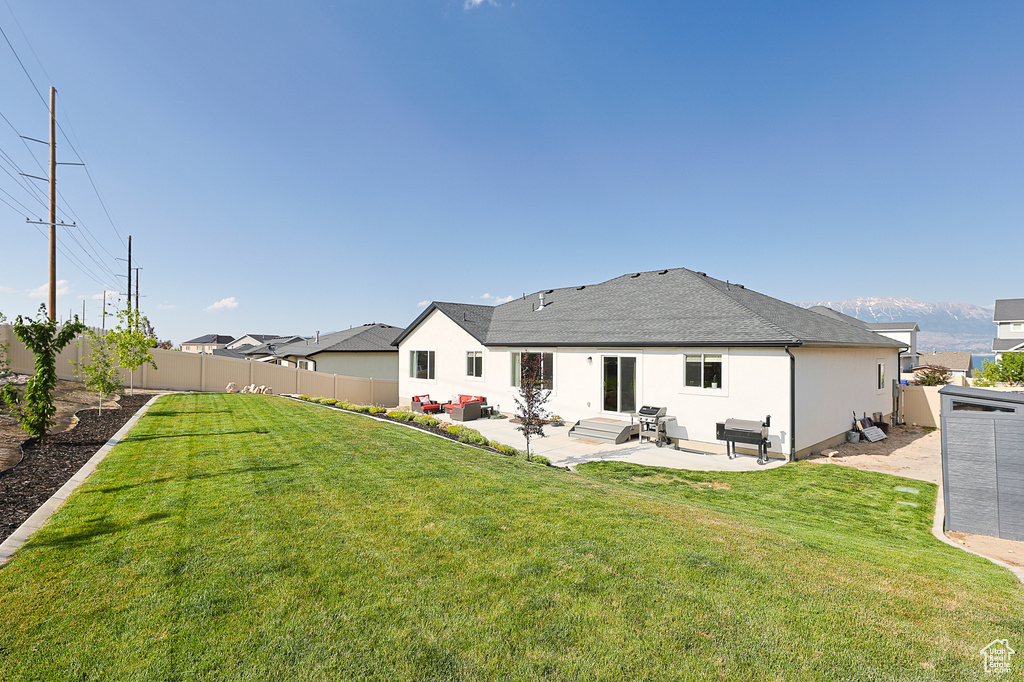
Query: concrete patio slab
point(564, 451)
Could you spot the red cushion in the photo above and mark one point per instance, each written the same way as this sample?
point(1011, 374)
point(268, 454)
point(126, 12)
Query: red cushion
point(430, 406)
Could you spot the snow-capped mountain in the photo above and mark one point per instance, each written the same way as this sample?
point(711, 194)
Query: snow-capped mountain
point(944, 326)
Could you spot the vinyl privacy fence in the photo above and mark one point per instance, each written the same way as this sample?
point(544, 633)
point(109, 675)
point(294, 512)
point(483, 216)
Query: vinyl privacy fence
point(179, 371)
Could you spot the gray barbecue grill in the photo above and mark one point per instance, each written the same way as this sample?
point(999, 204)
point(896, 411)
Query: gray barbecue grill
point(746, 431)
point(652, 424)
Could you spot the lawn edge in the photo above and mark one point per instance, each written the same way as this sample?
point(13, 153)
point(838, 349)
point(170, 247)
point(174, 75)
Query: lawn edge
point(25, 531)
point(939, 531)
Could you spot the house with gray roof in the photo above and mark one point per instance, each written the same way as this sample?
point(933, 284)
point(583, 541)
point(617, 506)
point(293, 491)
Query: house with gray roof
point(960, 363)
point(365, 351)
point(706, 349)
point(1009, 319)
point(206, 343)
point(251, 340)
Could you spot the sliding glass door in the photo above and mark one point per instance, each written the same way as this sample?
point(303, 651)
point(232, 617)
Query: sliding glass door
point(619, 383)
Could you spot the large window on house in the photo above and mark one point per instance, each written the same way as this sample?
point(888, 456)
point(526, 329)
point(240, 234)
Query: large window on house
point(474, 363)
point(547, 367)
point(421, 364)
point(704, 370)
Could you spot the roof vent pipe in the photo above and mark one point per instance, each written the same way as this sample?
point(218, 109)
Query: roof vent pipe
point(318, 336)
point(541, 307)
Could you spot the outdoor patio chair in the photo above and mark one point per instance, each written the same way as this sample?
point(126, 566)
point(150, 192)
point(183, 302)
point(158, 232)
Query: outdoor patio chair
point(423, 403)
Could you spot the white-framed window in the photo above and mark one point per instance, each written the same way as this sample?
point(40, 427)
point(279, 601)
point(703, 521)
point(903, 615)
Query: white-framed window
point(880, 374)
point(547, 368)
point(1017, 326)
point(704, 370)
point(421, 364)
point(305, 364)
point(474, 363)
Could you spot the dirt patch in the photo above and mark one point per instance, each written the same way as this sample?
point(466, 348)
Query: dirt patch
point(47, 466)
point(909, 451)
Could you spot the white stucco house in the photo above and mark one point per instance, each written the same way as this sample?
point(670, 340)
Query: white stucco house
point(706, 349)
point(1009, 318)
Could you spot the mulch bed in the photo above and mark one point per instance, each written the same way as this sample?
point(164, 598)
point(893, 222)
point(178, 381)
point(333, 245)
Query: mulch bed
point(47, 466)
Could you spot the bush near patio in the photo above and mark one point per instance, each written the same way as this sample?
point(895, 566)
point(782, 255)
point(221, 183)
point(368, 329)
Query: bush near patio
point(233, 537)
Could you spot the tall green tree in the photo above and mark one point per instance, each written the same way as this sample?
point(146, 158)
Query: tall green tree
point(1009, 370)
point(100, 370)
point(131, 343)
point(35, 409)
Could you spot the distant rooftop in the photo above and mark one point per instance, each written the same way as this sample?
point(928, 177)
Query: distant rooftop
point(1009, 310)
point(207, 339)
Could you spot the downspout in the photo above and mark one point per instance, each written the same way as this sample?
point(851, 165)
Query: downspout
point(792, 405)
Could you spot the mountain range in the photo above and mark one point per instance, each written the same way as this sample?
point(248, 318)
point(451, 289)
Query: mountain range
point(944, 326)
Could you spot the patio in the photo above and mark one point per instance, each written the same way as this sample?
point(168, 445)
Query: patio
point(564, 451)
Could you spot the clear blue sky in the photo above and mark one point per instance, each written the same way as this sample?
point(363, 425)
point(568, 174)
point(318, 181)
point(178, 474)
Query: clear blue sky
point(331, 164)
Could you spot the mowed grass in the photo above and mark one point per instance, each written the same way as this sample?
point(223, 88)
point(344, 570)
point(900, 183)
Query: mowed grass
point(252, 537)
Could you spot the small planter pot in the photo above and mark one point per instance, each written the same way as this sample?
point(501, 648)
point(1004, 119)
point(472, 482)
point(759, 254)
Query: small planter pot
point(853, 436)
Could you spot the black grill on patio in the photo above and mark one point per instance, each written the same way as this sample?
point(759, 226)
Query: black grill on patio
point(747, 432)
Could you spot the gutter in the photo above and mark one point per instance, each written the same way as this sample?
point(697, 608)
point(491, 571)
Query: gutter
point(792, 405)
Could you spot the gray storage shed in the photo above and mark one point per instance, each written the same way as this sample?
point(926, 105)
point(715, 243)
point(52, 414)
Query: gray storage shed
point(983, 461)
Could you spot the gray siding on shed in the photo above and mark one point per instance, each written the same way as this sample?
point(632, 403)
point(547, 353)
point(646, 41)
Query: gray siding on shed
point(1010, 476)
point(970, 477)
point(983, 463)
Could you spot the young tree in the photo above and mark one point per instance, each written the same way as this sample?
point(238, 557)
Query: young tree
point(532, 398)
point(100, 372)
point(933, 375)
point(131, 343)
point(1009, 369)
point(35, 409)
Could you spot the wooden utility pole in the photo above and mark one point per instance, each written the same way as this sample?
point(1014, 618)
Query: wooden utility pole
point(137, 298)
point(104, 325)
point(129, 275)
point(53, 204)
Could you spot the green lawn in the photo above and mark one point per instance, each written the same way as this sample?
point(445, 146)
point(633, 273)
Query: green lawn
point(252, 537)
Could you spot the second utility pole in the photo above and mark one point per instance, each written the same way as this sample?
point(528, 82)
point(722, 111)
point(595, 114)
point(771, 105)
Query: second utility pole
point(53, 204)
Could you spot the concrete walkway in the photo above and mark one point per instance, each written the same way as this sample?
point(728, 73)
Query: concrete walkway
point(564, 451)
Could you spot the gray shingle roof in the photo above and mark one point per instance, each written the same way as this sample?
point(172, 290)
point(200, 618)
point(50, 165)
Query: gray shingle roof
point(228, 353)
point(1000, 345)
point(957, 360)
point(677, 307)
point(892, 326)
point(367, 338)
point(211, 338)
point(836, 315)
point(1009, 310)
point(264, 348)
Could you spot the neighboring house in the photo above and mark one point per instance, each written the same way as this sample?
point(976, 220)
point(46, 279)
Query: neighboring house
point(1009, 318)
point(264, 352)
point(904, 332)
point(251, 340)
point(206, 344)
point(706, 349)
point(364, 351)
point(959, 362)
